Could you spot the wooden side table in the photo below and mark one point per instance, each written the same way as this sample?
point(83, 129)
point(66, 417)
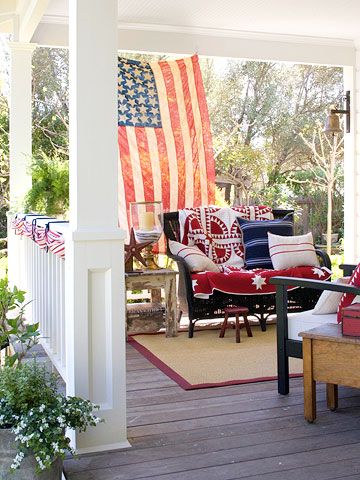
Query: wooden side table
point(331, 358)
point(154, 280)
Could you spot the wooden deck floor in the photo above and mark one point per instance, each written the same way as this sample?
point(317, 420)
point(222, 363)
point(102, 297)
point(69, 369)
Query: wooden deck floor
point(245, 431)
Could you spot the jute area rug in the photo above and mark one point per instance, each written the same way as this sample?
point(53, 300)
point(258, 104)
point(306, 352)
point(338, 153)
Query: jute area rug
point(209, 361)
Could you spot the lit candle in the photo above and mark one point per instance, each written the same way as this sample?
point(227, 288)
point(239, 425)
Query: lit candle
point(147, 221)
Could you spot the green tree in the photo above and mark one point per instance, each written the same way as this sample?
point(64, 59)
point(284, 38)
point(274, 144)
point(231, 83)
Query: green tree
point(327, 156)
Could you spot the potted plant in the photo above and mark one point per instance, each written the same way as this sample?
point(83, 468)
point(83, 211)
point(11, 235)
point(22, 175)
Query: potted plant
point(34, 415)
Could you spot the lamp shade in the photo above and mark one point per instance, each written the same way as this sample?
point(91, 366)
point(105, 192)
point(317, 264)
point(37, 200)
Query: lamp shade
point(332, 124)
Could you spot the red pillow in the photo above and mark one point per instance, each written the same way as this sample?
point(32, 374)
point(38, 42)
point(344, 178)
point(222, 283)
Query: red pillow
point(347, 298)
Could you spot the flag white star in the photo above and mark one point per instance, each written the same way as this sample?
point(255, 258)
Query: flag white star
point(147, 76)
point(259, 281)
point(319, 272)
point(129, 83)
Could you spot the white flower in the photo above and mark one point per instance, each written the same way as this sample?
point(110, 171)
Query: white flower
point(55, 447)
point(41, 408)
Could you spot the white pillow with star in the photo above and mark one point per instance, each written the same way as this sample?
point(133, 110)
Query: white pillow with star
point(195, 259)
point(295, 251)
point(329, 301)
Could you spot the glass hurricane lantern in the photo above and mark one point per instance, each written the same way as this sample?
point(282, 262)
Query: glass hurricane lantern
point(147, 222)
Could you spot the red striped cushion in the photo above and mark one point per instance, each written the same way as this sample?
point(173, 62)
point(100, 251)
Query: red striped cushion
point(295, 251)
point(196, 260)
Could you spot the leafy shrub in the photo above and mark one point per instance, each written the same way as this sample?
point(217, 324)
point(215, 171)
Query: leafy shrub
point(13, 328)
point(50, 186)
point(38, 414)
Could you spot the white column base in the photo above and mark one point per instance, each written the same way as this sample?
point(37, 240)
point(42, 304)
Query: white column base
point(95, 334)
point(104, 448)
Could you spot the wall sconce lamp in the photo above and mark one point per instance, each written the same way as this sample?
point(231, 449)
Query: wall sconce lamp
point(332, 123)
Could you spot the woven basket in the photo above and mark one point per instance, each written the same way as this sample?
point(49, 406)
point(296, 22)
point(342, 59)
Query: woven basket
point(145, 317)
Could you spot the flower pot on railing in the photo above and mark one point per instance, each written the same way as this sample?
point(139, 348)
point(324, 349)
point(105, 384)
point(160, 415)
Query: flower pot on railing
point(27, 470)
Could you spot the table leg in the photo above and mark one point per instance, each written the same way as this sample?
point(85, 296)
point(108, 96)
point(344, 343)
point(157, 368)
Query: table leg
point(170, 303)
point(224, 325)
point(237, 327)
point(309, 383)
point(332, 396)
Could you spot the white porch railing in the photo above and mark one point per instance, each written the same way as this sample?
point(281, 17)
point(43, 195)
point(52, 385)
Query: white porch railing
point(42, 275)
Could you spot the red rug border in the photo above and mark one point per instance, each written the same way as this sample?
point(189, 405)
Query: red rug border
point(184, 384)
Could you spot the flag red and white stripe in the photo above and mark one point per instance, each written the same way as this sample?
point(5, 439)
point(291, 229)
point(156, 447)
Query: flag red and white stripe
point(173, 163)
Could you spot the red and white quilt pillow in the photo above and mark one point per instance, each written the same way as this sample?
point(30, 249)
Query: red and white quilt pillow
point(215, 231)
point(250, 282)
point(348, 298)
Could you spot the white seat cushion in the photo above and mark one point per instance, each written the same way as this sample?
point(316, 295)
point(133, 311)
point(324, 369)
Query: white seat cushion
point(300, 321)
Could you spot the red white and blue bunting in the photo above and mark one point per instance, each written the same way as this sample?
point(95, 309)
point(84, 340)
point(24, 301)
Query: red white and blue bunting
point(46, 232)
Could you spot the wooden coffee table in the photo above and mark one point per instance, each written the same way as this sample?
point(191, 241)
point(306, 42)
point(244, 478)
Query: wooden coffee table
point(331, 358)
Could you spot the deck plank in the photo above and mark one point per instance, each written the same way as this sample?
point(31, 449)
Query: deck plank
point(227, 433)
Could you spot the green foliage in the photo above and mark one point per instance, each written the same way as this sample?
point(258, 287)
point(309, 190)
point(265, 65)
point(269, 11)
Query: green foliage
point(39, 415)
point(219, 198)
point(336, 261)
point(50, 189)
point(51, 102)
point(14, 330)
point(27, 387)
point(4, 163)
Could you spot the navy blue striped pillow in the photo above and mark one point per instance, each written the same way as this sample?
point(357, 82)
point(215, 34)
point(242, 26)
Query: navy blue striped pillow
point(255, 239)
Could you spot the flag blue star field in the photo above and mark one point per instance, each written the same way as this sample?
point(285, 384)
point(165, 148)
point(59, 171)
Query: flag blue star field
point(164, 135)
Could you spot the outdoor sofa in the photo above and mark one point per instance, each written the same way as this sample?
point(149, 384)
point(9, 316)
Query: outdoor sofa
point(259, 305)
point(290, 324)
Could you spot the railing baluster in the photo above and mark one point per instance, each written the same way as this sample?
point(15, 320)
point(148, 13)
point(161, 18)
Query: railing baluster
point(42, 275)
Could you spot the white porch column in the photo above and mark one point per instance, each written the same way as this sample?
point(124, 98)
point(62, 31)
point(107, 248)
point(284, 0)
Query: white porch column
point(355, 118)
point(351, 169)
point(20, 119)
point(95, 312)
point(20, 138)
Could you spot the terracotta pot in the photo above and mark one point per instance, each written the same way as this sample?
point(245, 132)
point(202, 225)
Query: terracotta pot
point(27, 467)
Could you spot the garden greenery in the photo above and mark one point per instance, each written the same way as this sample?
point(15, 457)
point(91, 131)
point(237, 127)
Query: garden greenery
point(30, 403)
point(14, 331)
point(39, 415)
point(49, 193)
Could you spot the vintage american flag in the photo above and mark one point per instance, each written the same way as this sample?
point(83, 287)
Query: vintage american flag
point(165, 142)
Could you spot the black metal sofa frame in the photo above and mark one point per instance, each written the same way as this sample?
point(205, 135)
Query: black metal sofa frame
point(259, 305)
point(293, 348)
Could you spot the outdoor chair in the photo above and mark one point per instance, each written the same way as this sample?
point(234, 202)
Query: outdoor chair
point(289, 324)
point(261, 306)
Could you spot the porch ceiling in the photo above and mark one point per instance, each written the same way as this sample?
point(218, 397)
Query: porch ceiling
point(257, 29)
point(320, 18)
